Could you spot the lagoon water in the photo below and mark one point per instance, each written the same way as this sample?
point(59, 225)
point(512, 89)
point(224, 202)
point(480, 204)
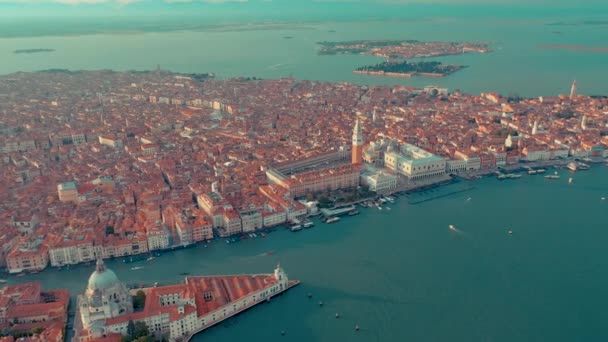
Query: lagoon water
point(517, 66)
point(402, 275)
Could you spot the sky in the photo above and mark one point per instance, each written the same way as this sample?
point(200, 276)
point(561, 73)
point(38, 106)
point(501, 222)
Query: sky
point(62, 8)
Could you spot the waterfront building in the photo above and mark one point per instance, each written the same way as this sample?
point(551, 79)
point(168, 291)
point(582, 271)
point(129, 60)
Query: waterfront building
point(251, 220)
point(413, 162)
point(105, 297)
point(173, 312)
point(357, 144)
point(325, 179)
point(71, 250)
point(455, 165)
point(29, 255)
point(473, 162)
point(327, 172)
point(232, 223)
point(26, 306)
point(377, 180)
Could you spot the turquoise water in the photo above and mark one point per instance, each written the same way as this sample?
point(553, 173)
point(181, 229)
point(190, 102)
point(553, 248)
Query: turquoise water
point(402, 275)
point(518, 66)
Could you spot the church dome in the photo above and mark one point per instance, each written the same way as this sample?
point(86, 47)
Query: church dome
point(102, 278)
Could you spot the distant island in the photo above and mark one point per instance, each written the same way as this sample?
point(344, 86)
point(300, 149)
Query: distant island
point(33, 50)
point(400, 48)
point(409, 69)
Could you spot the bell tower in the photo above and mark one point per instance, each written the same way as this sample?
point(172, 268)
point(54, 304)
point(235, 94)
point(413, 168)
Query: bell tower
point(357, 147)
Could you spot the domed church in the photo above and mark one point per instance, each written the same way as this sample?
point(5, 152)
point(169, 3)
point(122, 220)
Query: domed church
point(105, 297)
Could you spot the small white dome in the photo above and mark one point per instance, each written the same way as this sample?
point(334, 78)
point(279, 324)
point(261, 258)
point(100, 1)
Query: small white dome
point(102, 278)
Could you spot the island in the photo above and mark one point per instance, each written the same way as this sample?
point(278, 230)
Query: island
point(33, 50)
point(409, 69)
point(401, 48)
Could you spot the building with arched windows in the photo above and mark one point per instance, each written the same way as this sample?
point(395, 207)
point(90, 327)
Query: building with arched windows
point(174, 312)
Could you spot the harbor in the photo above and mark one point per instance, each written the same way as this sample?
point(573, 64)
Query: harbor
point(387, 246)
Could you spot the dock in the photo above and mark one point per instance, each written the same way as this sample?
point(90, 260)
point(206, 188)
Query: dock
point(337, 211)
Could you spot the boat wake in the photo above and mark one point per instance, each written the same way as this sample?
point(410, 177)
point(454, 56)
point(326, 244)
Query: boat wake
point(456, 230)
point(276, 66)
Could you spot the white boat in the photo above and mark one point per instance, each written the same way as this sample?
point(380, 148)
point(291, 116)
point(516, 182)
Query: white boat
point(570, 180)
point(510, 232)
point(552, 176)
point(452, 227)
point(379, 208)
point(388, 208)
point(136, 268)
point(2, 281)
point(603, 198)
point(308, 224)
point(151, 258)
point(572, 166)
point(295, 228)
point(332, 220)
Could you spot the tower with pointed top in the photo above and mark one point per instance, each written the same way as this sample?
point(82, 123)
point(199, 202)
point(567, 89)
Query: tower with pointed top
point(584, 122)
point(357, 147)
point(535, 128)
point(573, 90)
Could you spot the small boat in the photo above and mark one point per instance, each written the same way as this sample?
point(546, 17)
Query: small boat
point(603, 198)
point(2, 281)
point(20, 274)
point(388, 208)
point(379, 208)
point(353, 212)
point(136, 268)
point(572, 166)
point(540, 171)
point(295, 228)
point(452, 227)
point(227, 241)
point(570, 180)
point(155, 284)
point(151, 258)
point(184, 273)
point(510, 232)
point(552, 177)
point(263, 235)
point(332, 220)
point(308, 224)
point(532, 172)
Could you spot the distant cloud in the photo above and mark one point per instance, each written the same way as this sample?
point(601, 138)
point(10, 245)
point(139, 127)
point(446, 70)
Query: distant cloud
point(121, 2)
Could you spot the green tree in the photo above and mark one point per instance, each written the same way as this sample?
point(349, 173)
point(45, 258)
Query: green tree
point(37, 330)
point(146, 338)
point(109, 230)
point(141, 329)
point(139, 300)
point(130, 330)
